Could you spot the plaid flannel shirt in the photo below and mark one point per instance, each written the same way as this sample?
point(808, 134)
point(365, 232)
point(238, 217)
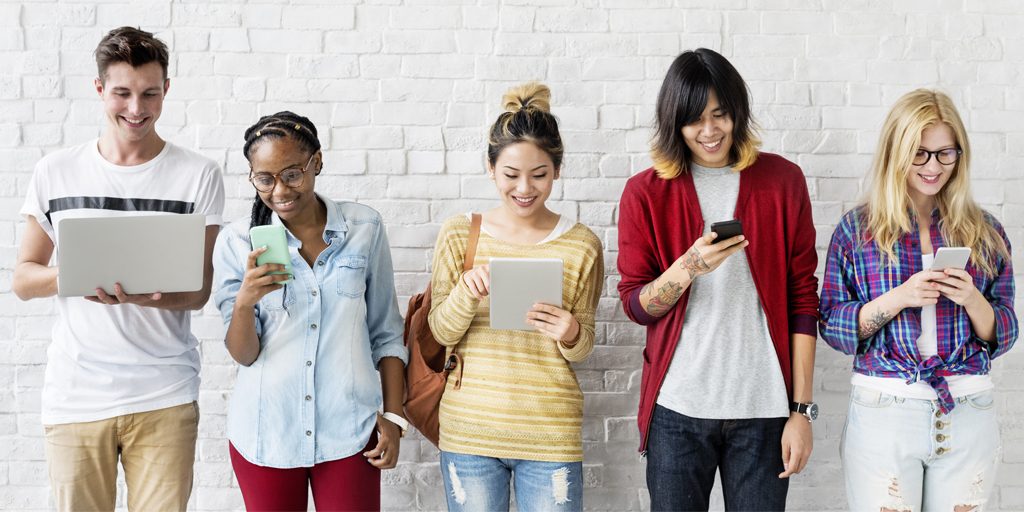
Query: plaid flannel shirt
point(857, 273)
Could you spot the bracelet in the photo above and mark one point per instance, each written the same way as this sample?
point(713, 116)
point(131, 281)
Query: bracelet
point(402, 423)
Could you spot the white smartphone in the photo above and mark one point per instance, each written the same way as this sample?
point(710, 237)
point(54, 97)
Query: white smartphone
point(951, 257)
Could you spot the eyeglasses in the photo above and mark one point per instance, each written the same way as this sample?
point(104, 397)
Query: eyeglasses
point(291, 177)
point(944, 156)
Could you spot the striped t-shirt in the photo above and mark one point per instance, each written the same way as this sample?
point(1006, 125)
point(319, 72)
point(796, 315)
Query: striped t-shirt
point(519, 396)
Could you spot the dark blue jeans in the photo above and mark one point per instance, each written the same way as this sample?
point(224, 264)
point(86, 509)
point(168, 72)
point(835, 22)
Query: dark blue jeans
point(683, 454)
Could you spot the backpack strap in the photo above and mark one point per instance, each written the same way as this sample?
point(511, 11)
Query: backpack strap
point(474, 237)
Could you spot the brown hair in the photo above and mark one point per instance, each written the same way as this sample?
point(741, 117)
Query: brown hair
point(527, 118)
point(131, 45)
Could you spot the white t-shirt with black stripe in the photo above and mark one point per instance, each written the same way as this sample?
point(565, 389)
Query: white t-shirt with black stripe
point(106, 361)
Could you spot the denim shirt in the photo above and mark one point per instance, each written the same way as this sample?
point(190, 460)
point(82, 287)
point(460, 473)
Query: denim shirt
point(313, 392)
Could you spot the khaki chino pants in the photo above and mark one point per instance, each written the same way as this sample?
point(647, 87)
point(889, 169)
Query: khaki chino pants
point(156, 448)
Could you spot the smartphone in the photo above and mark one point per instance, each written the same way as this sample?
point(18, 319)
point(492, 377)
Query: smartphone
point(727, 229)
point(951, 257)
point(274, 239)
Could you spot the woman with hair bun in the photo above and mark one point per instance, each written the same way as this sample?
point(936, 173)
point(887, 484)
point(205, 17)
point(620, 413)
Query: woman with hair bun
point(303, 414)
point(921, 432)
point(516, 413)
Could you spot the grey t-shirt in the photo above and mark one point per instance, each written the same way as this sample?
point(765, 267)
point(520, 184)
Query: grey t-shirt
point(724, 366)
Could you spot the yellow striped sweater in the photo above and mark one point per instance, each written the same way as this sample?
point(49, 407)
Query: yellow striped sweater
point(519, 397)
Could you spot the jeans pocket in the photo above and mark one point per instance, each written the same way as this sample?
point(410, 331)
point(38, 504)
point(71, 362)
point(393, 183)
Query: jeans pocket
point(351, 276)
point(983, 401)
point(867, 397)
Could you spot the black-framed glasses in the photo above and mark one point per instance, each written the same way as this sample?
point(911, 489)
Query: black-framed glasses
point(291, 177)
point(944, 156)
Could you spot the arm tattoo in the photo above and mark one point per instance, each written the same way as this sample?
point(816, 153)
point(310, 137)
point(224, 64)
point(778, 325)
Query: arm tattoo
point(666, 297)
point(695, 264)
point(873, 324)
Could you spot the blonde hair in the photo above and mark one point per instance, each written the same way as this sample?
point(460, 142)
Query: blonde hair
point(527, 118)
point(963, 222)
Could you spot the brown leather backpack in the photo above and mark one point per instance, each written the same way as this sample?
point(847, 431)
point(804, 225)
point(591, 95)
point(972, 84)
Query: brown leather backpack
point(427, 371)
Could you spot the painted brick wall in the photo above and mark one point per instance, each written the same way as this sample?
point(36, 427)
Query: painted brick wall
point(403, 90)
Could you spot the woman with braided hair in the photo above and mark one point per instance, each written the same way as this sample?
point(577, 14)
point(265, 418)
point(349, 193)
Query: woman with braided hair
point(304, 410)
point(516, 412)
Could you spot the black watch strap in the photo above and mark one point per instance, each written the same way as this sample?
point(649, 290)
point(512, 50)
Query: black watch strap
point(798, 407)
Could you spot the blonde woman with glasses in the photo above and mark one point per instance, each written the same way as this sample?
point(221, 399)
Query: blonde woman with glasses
point(921, 431)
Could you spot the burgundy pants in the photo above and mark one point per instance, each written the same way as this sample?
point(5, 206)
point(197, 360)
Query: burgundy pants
point(345, 484)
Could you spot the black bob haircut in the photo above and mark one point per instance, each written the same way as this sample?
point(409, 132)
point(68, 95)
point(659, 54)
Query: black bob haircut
point(681, 101)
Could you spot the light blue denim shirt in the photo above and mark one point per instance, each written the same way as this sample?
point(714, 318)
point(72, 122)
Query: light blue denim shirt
point(313, 393)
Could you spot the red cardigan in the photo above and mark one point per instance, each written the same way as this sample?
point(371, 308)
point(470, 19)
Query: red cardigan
point(660, 219)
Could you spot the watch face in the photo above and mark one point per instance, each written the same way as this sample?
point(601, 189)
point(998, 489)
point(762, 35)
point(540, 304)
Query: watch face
point(812, 411)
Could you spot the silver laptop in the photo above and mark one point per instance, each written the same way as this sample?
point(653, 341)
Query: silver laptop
point(146, 254)
point(517, 284)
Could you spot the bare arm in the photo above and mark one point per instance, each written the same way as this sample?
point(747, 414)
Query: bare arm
point(241, 340)
point(33, 277)
point(660, 296)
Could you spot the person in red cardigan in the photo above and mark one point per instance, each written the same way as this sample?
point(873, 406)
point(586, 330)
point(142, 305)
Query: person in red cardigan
point(731, 323)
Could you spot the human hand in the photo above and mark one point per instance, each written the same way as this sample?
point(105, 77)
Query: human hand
point(797, 444)
point(920, 290)
point(120, 297)
point(704, 256)
point(385, 454)
point(958, 286)
point(257, 280)
point(554, 322)
point(479, 281)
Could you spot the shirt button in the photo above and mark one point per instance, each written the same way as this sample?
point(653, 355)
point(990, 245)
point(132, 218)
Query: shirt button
point(312, 326)
point(938, 414)
point(309, 363)
point(308, 398)
point(321, 263)
point(940, 438)
point(938, 424)
point(309, 432)
point(940, 450)
point(314, 293)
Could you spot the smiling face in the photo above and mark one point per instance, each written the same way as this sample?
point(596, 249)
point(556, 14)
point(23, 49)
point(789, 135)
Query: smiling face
point(133, 99)
point(710, 137)
point(524, 175)
point(924, 182)
point(274, 156)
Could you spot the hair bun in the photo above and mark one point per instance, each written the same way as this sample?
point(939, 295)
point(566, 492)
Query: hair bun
point(528, 96)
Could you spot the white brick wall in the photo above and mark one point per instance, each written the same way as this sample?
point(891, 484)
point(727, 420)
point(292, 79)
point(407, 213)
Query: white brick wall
point(402, 91)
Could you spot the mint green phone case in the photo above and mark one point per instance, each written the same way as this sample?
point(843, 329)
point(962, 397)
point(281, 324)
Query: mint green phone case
point(273, 237)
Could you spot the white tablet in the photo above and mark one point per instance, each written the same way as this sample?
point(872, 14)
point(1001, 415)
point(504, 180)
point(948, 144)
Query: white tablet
point(146, 254)
point(517, 284)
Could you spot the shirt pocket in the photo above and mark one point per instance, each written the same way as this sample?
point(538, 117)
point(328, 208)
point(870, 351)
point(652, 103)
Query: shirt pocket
point(351, 276)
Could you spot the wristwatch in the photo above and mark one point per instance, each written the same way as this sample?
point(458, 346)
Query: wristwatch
point(403, 424)
point(808, 410)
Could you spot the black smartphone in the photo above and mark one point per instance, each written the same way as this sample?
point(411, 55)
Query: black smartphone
point(727, 229)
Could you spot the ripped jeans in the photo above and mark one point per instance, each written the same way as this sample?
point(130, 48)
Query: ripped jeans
point(475, 483)
point(904, 455)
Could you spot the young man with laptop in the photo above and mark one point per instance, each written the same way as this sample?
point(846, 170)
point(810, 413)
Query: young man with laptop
point(122, 376)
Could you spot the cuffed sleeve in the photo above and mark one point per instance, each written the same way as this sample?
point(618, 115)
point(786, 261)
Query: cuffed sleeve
point(802, 285)
point(637, 261)
point(585, 308)
point(383, 319)
point(840, 305)
point(1000, 295)
point(229, 256)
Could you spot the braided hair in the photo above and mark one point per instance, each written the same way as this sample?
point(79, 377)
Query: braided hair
point(527, 118)
point(277, 126)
